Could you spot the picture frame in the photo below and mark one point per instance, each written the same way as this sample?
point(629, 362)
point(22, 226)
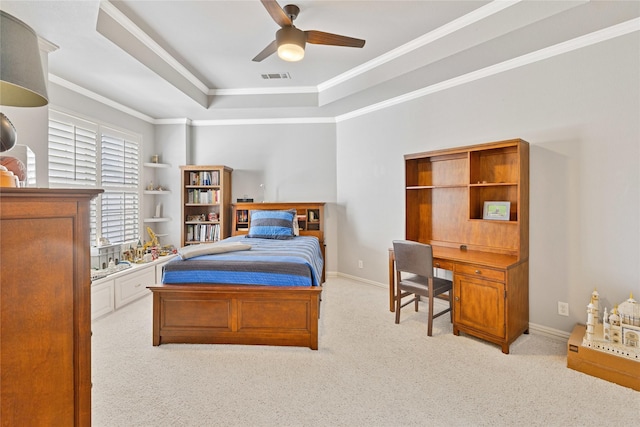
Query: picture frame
point(496, 210)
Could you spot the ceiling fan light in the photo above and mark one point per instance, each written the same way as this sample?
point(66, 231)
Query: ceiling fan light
point(290, 52)
point(291, 42)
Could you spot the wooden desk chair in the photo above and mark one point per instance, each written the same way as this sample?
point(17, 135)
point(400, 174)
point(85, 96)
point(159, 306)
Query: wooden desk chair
point(416, 260)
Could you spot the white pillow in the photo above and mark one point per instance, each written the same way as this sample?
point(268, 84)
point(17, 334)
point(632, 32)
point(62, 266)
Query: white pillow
point(191, 251)
point(296, 226)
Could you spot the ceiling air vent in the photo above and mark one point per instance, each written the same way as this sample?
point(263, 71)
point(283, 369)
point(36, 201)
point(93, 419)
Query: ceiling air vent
point(275, 76)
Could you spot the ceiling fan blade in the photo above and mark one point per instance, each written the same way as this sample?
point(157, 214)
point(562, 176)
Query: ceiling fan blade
point(267, 51)
point(320, 37)
point(277, 13)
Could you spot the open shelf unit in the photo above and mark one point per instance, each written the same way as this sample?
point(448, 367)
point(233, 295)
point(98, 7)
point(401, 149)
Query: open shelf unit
point(446, 191)
point(310, 216)
point(206, 204)
point(154, 193)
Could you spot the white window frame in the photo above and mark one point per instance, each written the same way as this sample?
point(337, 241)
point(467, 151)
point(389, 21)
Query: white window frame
point(101, 129)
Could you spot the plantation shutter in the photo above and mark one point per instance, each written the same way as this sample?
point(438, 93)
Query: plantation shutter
point(83, 154)
point(72, 158)
point(120, 178)
point(72, 155)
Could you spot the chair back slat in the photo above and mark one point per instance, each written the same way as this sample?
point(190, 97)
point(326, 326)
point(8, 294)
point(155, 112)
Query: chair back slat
point(413, 257)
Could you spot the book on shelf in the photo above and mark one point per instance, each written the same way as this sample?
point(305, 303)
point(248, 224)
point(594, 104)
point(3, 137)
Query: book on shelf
point(204, 178)
point(242, 216)
point(205, 197)
point(203, 233)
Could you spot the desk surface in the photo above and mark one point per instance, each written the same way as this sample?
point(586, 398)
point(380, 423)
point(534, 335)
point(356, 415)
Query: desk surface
point(485, 259)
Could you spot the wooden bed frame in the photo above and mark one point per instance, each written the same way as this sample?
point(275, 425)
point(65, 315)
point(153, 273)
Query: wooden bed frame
point(232, 314)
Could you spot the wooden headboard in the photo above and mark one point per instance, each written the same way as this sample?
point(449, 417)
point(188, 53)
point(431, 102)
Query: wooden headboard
point(310, 217)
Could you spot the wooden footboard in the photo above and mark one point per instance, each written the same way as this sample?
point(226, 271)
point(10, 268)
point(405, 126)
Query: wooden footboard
point(230, 314)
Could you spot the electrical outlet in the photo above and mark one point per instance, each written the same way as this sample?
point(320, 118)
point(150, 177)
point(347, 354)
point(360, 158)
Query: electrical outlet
point(563, 308)
point(360, 264)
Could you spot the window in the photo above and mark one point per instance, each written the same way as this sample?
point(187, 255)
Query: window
point(72, 154)
point(119, 177)
point(83, 154)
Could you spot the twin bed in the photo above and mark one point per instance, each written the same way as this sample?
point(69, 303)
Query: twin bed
point(260, 286)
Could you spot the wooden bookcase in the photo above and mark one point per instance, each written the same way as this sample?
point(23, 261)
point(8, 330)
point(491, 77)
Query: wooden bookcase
point(206, 204)
point(446, 191)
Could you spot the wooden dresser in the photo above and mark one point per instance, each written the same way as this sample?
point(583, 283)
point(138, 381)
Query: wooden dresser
point(45, 306)
point(446, 206)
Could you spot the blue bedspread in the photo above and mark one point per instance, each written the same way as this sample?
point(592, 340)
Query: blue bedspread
point(294, 262)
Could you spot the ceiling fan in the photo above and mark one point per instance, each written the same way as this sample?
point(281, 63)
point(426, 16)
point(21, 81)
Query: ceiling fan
point(290, 41)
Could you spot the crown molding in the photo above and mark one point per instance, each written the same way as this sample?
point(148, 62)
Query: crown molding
point(523, 60)
point(151, 44)
point(586, 40)
point(102, 99)
point(440, 32)
point(268, 121)
point(265, 91)
point(178, 121)
point(47, 46)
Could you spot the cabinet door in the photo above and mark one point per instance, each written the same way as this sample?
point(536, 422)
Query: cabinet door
point(133, 286)
point(479, 304)
point(38, 339)
point(102, 300)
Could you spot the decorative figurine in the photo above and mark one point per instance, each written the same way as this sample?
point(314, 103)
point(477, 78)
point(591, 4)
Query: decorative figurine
point(595, 300)
point(619, 333)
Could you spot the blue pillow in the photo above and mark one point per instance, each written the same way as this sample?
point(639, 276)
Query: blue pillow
point(272, 224)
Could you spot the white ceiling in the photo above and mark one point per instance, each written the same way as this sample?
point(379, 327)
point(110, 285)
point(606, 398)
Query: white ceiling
point(168, 60)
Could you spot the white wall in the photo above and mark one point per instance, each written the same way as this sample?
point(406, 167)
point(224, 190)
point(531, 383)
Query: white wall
point(580, 113)
point(295, 162)
point(171, 145)
point(32, 130)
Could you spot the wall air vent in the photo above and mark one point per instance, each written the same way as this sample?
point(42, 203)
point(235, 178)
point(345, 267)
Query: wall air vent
point(275, 76)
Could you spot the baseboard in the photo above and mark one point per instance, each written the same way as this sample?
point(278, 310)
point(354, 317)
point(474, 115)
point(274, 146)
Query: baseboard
point(361, 280)
point(533, 327)
point(549, 332)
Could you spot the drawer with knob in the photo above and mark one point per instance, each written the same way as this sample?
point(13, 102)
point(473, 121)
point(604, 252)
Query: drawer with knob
point(480, 271)
point(443, 264)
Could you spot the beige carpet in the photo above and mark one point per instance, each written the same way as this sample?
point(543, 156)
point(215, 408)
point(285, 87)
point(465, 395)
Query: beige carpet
point(367, 372)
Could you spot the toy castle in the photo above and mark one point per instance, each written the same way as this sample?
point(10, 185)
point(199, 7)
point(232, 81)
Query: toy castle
point(619, 332)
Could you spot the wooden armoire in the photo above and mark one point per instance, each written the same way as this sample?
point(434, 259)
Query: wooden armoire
point(45, 307)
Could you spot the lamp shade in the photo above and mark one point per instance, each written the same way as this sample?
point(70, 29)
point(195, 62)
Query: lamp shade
point(291, 42)
point(22, 82)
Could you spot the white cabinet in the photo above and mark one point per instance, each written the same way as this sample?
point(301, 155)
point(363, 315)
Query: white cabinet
point(119, 289)
point(102, 299)
point(133, 286)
